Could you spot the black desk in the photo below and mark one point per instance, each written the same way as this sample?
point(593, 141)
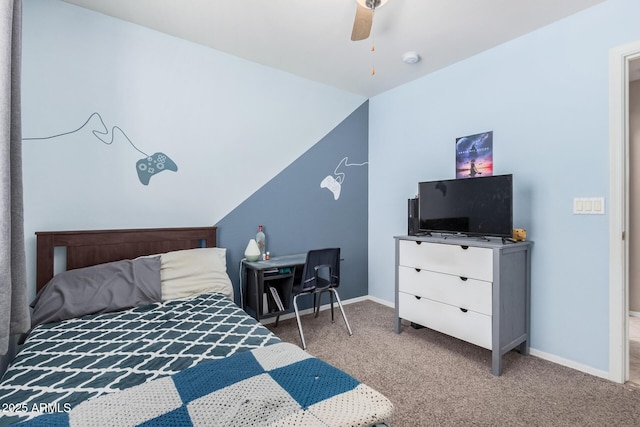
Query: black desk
point(261, 278)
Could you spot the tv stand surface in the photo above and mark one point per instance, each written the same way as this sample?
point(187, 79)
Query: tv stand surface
point(423, 234)
point(474, 290)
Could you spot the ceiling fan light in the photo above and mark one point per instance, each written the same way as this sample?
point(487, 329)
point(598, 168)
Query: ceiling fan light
point(370, 4)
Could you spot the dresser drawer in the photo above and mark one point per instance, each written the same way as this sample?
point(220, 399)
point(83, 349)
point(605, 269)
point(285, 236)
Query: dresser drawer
point(464, 261)
point(470, 326)
point(471, 294)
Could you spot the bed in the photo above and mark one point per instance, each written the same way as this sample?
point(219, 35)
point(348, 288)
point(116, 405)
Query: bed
point(141, 328)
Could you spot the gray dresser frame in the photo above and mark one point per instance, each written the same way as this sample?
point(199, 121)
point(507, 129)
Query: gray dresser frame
point(511, 290)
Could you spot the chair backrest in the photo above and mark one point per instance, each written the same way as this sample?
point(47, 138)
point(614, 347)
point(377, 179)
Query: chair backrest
point(316, 257)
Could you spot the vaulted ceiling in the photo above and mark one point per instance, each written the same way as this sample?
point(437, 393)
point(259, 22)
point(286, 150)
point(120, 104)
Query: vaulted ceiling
point(312, 39)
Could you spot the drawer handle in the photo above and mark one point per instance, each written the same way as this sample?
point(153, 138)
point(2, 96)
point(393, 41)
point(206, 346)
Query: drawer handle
point(465, 247)
point(418, 269)
point(418, 242)
point(464, 310)
point(464, 279)
point(417, 297)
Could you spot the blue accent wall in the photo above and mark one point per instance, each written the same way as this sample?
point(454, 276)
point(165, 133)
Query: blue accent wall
point(298, 214)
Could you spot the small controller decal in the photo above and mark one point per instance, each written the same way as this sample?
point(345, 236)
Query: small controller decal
point(146, 167)
point(153, 165)
point(334, 183)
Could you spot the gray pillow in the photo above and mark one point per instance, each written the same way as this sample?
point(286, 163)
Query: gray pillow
point(98, 289)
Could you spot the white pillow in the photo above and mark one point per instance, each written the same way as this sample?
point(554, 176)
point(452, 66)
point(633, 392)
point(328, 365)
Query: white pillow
point(194, 271)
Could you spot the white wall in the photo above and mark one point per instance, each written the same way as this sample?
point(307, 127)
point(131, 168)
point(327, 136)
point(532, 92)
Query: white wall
point(229, 124)
point(545, 96)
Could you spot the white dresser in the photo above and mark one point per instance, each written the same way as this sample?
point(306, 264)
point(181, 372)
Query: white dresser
point(472, 289)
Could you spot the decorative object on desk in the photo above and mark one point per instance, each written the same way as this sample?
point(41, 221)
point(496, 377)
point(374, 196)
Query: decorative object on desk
point(260, 239)
point(252, 252)
point(474, 155)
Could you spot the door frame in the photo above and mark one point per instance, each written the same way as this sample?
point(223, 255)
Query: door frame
point(619, 59)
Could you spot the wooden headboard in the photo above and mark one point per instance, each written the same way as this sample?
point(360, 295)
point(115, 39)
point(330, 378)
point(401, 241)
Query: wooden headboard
point(91, 247)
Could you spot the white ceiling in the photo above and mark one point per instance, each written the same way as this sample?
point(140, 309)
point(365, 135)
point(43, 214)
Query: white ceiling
point(312, 38)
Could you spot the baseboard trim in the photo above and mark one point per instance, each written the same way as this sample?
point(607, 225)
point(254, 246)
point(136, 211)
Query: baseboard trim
point(323, 307)
point(381, 301)
point(634, 313)
point(570, 364)
point(537, 353)
point(534, 352)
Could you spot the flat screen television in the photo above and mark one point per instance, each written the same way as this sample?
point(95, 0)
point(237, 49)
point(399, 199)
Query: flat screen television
point(481, 206)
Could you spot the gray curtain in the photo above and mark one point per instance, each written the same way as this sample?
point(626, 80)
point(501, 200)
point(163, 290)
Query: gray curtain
point(14, 309)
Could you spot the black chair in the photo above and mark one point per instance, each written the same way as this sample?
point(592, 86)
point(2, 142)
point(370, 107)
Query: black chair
point(321, 274)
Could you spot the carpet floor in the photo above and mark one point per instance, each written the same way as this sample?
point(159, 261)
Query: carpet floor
point(436, 380)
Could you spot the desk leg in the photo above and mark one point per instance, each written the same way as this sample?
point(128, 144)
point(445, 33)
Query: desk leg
point(244, 286)
point(258, 283)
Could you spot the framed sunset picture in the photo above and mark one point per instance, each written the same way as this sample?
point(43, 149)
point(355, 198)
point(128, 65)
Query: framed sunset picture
point(474, 155)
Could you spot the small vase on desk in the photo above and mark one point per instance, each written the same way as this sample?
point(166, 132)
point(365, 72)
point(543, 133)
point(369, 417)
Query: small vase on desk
point(252, 252)
point(260, 240)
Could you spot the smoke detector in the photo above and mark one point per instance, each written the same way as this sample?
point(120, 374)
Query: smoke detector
point(410, 57)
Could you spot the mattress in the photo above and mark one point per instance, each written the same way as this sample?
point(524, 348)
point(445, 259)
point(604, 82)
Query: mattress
point(65, 363)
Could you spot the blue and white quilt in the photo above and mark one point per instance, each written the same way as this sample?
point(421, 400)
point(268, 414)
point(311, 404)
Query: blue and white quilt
point(277, 385)
point(65, 363)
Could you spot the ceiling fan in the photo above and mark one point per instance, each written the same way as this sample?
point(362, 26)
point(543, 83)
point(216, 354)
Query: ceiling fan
point(364, 18)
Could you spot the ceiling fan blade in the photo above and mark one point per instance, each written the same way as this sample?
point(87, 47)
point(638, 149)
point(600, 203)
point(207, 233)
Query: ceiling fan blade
point(362, 23)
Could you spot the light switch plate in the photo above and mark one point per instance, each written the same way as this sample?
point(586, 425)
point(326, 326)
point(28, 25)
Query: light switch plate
point(588, 205)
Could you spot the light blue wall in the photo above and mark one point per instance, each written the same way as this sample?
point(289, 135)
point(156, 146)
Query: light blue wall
point(230, 125)
point(545, 96)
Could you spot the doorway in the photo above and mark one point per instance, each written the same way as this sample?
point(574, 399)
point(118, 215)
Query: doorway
point(634, 222)
point(620, 66)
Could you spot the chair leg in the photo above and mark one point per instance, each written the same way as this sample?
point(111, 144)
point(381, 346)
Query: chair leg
point(316, 306)
point(295, 308)
point(342, 310)
point(316, 303)
point(277, 320)
point(331, 299)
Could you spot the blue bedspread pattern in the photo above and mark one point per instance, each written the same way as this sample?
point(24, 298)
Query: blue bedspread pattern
point(278, 385)
point(65, 363)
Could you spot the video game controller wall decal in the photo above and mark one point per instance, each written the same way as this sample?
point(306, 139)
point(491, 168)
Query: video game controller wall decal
point(146, 167)
point(153, 165)
point(334, 183)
